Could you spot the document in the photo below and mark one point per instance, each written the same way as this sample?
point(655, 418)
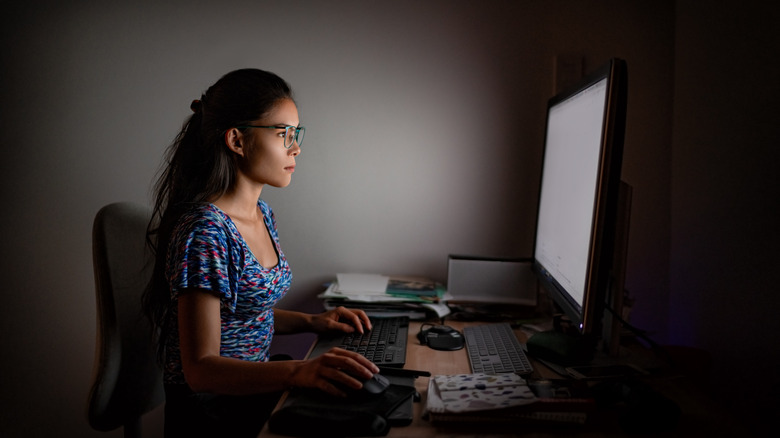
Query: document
point(362, 284)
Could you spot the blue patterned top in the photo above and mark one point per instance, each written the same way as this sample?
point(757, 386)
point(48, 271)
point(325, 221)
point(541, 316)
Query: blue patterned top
point(208, 252)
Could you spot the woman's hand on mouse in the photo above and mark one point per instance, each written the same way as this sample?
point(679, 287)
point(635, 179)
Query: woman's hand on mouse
point(337, 366)
point(341, 319)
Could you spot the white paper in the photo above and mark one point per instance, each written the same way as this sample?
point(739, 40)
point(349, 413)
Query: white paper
point(440, 309)
point(362, 284)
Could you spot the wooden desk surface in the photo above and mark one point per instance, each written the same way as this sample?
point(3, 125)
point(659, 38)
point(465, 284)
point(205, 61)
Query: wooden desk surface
point(700, 416)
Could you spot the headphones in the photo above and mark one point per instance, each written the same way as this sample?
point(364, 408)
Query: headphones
point(441, 337)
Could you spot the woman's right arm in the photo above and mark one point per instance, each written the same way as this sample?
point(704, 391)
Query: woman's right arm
point(206, 371)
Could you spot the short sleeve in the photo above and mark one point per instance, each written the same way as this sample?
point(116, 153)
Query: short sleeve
point(200, 257)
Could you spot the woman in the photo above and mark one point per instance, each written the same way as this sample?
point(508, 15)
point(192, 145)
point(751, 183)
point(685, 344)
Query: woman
point(219, 267)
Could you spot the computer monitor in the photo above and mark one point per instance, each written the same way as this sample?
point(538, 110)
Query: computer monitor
point(578, 198)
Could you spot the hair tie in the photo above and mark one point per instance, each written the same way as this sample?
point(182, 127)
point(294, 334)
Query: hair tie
point(195, 106)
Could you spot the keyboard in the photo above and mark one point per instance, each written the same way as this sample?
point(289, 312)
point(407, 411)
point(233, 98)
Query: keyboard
point(385, 344)
point(494, 349)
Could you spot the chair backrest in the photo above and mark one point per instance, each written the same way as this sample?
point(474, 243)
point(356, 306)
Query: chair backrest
point(127, 378)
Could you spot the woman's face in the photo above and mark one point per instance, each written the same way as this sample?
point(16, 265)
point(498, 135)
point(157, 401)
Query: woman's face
point(266, 161)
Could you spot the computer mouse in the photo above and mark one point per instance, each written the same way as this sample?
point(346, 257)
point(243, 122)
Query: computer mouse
point(442, 329)
point(442, 337)
point(374, 387)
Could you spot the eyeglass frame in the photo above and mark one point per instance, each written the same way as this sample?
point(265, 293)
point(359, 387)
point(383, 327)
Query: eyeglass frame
point(300, 131)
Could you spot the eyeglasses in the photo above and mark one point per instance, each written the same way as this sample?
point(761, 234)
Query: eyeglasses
point(291, 133)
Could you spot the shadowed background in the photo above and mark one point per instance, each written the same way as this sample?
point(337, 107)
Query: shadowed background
point(424, 131)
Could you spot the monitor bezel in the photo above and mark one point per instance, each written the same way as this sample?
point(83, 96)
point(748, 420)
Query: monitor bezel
point(586, 318)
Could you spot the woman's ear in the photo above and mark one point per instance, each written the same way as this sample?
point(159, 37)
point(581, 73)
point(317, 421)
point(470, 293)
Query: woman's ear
point(233, 139)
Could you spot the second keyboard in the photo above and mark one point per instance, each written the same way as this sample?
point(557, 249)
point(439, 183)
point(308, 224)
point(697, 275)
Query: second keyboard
point(494, 349)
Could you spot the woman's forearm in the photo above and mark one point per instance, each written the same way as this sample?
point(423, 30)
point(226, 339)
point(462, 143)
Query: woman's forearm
point(289, 322)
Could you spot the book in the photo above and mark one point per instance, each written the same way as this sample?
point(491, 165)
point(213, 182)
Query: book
point(412, 287)
point(504, 398)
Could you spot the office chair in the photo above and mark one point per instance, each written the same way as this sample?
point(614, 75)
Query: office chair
point(127, 380)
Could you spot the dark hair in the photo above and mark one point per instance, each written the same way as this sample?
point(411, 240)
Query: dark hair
point(199, 167)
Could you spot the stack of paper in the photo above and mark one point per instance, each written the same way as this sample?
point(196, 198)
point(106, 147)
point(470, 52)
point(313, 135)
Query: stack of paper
point(381, 295)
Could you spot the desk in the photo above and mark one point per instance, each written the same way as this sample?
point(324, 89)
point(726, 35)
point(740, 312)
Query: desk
point(701, 417)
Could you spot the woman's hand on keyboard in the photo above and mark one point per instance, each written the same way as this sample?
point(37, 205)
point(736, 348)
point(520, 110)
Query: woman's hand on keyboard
point(341, 319)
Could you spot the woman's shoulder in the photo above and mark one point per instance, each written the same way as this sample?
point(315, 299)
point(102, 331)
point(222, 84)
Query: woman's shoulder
point(203, 216)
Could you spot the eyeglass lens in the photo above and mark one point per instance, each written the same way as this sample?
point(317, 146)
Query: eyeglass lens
point(293, 133)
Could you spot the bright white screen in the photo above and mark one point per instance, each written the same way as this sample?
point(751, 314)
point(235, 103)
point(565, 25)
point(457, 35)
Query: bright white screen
point(568, 191)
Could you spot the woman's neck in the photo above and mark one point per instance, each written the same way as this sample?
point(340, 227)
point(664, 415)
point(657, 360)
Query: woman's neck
point(240, 203)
